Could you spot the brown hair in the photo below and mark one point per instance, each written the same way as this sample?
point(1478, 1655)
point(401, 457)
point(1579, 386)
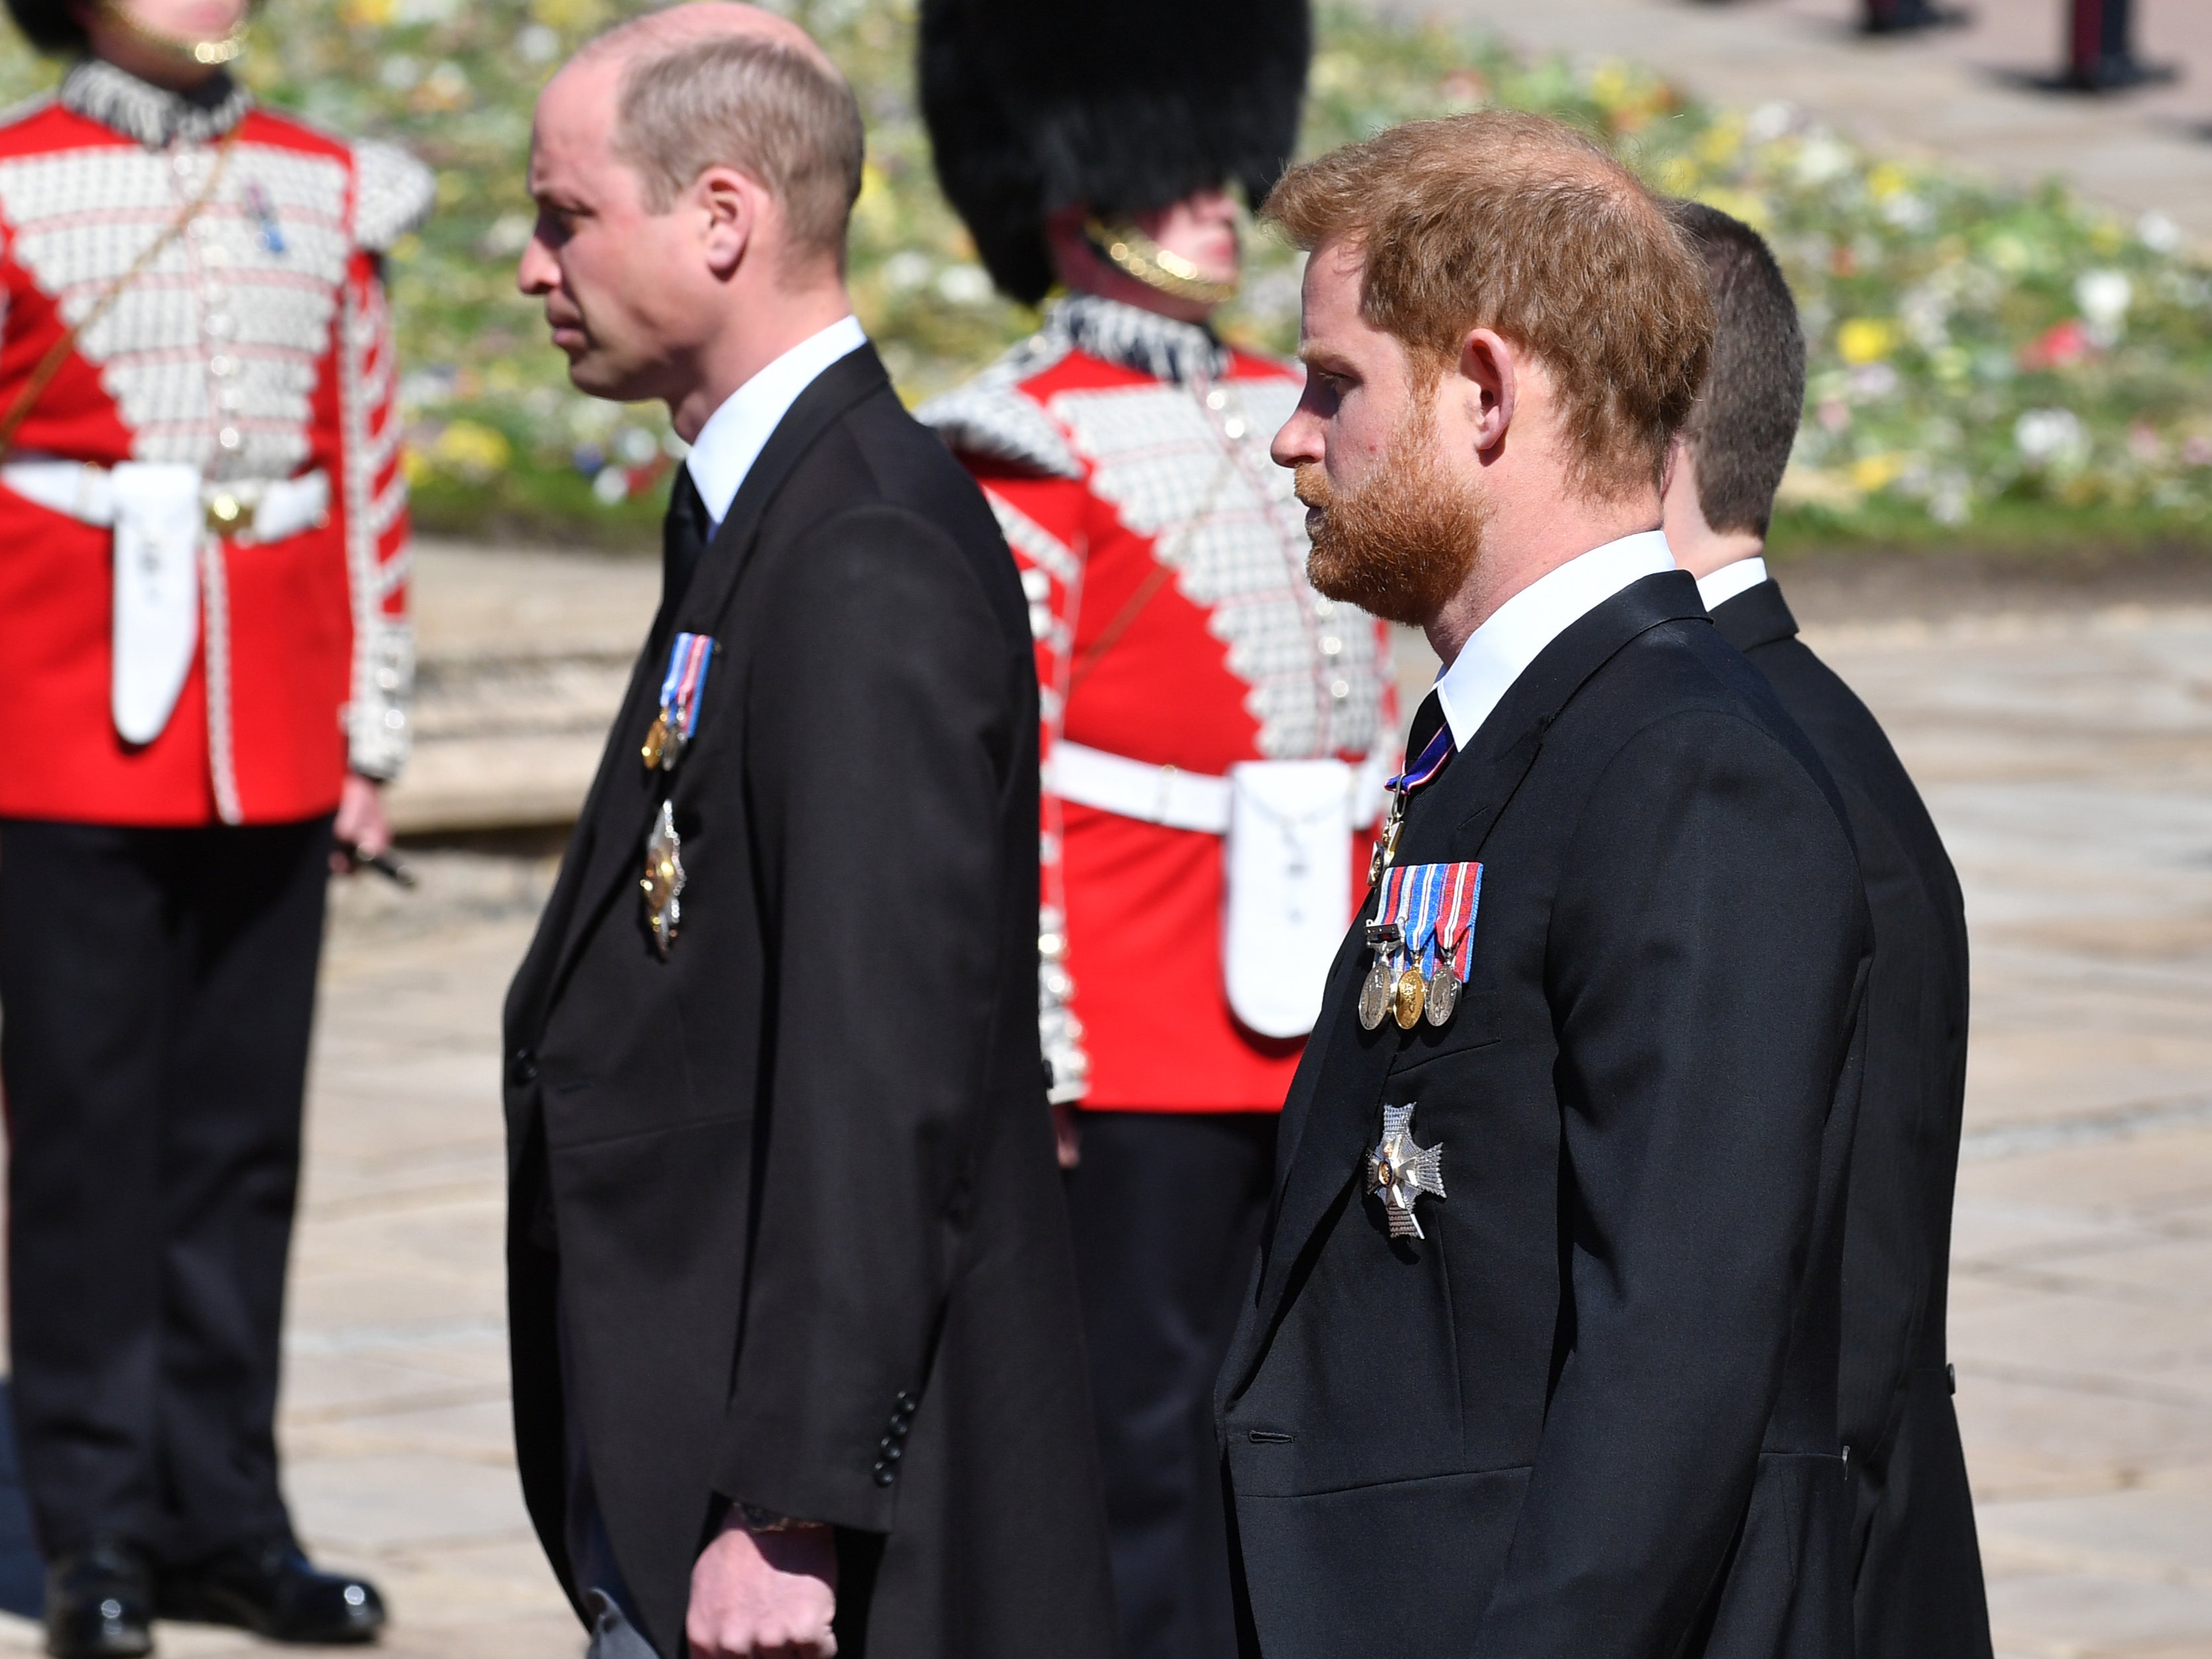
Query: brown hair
point(1515, 222)
point(740, 101)
point(1747, 412)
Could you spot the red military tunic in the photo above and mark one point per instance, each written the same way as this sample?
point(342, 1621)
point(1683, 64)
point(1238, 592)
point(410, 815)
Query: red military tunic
point(1126, 456)
point(256, 347)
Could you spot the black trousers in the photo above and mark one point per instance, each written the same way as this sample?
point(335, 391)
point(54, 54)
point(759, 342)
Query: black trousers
point(1167, 1209)
point(157, 987)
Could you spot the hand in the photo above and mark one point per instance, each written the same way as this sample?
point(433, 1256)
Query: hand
point(361, 822)
point(1067, 1135)
point(764, 1595)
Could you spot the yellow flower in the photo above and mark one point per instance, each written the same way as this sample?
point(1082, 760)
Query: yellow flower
point(1887, 179)
point(1873, 472)
point(1720, 142)
point(368, 14)
point(1609, 84)
point(1678, 175)
point(1866, 340)
point(471, 449)
point(1741, 204)
point(2107, 238)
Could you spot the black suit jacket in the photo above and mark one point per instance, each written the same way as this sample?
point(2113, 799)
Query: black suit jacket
point(800, 1171)
point(1593, 1413)
point(1919, 1589)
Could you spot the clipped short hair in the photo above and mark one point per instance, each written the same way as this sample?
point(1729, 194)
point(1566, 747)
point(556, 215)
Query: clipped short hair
point(1746, 416)
point(758, 106)
point(1516, 223)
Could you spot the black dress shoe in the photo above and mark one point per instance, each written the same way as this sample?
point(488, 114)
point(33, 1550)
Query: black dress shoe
point(99, 1603)
point(273, 1591)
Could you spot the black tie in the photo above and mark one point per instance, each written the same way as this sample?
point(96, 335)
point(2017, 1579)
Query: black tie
point(1427, 720)
point(684, 535)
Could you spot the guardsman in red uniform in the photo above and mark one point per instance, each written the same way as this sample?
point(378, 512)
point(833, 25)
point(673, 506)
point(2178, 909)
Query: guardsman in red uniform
point(205, 662)
point(1212, 727)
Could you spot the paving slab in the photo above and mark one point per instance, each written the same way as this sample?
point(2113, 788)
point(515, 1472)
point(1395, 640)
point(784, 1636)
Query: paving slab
point(1957, 94)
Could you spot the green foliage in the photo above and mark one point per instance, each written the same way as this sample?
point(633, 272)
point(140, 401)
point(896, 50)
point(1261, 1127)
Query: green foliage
point(1984, 362)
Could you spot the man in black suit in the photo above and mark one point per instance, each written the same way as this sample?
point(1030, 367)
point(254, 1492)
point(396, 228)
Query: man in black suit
point(1919, 1570)
point(1540, 1357)
point(796, 1365)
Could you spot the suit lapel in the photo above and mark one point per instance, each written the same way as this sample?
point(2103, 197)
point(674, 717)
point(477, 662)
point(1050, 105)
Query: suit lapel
point(1329, 1125)
point(625, 796)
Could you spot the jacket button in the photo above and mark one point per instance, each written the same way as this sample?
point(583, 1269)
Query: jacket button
point(885, 1474)
point(522, 1068)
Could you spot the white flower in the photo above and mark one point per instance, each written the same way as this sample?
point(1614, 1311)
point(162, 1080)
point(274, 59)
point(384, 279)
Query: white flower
point(538, 44)
point(2104, 297)
point(635, 446)
point(2047, 435)
point(2158, 233)
point(611, 487)
point(907, 270)
point(1769, 122)
point(963, 285)
point(1870, 381)
point(1822, 159)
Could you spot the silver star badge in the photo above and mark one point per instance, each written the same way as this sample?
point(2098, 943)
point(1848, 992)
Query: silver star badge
point(1398, 1171)
point(664, 880)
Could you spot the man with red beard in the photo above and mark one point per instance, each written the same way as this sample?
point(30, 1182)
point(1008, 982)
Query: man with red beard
point(1541, 1357)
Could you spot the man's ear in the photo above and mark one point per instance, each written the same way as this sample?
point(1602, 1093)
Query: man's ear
point(729, 205)
point(1489, 368)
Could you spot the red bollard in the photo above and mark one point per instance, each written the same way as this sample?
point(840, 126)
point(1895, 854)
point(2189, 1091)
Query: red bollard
point(2099, 55)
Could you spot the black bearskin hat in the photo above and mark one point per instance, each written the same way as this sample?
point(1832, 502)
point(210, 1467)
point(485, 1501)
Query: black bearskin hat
point(49, 25)
point(1035, 105)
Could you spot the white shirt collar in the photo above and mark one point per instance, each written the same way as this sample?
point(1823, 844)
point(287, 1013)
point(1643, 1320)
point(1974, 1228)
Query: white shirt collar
point(731, 441)
point(1516, 633)
point(1730, 580)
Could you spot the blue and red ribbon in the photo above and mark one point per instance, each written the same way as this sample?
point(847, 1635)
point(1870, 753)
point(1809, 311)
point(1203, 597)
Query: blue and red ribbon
point(685, 683)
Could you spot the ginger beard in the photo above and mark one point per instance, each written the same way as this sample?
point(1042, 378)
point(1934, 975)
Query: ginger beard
point(1401, 543)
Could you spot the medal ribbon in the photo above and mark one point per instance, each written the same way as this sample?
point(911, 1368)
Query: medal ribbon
point(685, 681)
point(1434, 906)
point(1430, 761)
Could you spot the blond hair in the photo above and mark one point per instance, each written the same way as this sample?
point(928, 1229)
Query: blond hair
point(740, 100)
point(1517, 223)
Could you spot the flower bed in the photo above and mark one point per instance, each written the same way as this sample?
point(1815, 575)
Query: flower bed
point(2005, 367)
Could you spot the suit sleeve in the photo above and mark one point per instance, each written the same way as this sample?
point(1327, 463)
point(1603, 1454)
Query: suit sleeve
point(1041, 518)
point(880, 760)
point(1704, 967)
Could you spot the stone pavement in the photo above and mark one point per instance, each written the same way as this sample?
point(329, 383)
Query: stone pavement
point(2066, 750)
point(1955, 93)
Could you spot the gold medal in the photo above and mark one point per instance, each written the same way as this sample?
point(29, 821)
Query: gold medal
point(1407, 997)
point(656, 742)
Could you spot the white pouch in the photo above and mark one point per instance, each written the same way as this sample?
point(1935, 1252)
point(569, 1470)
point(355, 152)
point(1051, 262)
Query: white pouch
point(1287, 865)
point(159, 524)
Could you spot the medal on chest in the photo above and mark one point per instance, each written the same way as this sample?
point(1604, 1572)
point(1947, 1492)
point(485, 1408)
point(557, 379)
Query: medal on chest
point(663, 884)
point(1422, 938)
point(681, 689)
point(1400, 1172)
